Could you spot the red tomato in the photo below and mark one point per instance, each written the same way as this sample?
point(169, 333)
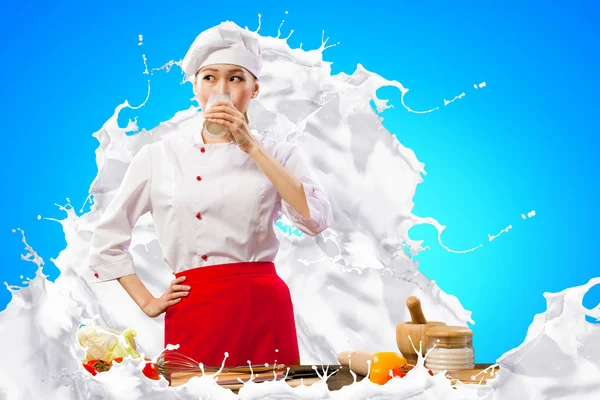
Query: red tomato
point(90, 369)
point(99, 365)
point(118, 359)
point(401, 372)
point(398, 373)
point(151, 371)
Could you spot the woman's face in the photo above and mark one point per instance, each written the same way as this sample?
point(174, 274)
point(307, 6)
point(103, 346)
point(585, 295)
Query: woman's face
point(224, 78)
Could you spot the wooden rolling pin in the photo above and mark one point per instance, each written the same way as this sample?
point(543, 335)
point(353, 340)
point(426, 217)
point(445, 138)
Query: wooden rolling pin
point(356, 360)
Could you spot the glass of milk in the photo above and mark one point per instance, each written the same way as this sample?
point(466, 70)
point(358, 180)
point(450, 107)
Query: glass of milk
point(213, 129)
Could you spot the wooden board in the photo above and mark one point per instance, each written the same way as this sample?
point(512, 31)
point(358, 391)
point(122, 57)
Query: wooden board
point(291, 383)
point(229, 380)
point(225, 378)
point(246, 369)
point(474, 376)
point(342, 377)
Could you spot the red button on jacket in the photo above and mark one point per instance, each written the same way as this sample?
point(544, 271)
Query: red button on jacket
point(198, 178)
point(202, 149)
point(199, 216)
point(205, 257)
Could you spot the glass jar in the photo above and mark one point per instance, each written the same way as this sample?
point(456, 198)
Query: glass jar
point(449, 348)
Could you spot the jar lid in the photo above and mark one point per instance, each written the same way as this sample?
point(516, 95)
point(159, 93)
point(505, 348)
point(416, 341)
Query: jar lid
point(449, 331)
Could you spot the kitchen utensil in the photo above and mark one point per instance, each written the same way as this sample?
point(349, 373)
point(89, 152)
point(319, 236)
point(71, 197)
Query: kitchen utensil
point(415, 329)
point(358, 361)
point(232, 377)
point(170, 362)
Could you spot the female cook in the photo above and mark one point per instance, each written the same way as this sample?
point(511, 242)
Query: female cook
point(214, 202)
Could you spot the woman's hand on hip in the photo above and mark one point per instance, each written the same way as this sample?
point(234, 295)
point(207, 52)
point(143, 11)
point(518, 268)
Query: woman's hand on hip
point(172, 296)
point(224, 113)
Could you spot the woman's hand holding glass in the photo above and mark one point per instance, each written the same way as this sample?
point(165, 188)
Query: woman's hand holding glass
point(225, 114)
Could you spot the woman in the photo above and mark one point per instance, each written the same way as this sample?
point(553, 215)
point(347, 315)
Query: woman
point(214, 202)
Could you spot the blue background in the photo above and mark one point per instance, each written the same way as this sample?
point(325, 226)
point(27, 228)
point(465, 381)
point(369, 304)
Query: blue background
point(527, 141)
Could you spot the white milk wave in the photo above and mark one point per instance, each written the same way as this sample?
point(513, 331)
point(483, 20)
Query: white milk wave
point(349, 283)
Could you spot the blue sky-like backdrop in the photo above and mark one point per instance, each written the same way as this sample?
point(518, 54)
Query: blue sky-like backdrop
point(527, 141)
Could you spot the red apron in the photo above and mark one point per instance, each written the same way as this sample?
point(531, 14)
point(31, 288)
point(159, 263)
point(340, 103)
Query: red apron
point(244, 309)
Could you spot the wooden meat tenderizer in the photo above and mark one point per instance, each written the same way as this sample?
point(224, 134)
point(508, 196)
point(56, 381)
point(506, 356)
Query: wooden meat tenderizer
point(416, 329)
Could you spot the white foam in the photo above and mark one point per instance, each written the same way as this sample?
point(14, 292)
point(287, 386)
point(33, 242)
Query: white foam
point(348, 285)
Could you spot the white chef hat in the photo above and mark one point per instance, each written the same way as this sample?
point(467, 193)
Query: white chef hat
point(226, 43)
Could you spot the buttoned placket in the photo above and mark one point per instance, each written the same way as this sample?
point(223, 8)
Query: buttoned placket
point(202, 149)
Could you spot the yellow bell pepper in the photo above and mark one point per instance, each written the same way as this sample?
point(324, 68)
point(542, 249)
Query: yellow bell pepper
point(382, 363)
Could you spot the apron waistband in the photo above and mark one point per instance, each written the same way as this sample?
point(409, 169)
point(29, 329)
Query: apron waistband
point(230, 269)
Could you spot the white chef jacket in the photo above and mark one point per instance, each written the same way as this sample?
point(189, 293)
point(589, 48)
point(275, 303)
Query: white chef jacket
point(210, 203)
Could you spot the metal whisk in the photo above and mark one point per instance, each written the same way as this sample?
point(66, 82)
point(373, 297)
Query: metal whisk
point(170, 361)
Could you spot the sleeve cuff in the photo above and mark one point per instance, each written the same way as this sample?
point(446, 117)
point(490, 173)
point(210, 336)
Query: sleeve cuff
point(318, 207)
point(109, 272)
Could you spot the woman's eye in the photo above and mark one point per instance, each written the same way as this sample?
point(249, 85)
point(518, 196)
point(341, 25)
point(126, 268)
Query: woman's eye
point(208, 77)
point(239, 79)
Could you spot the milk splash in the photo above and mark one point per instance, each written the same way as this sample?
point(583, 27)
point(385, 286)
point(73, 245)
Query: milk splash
point(347, 284)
